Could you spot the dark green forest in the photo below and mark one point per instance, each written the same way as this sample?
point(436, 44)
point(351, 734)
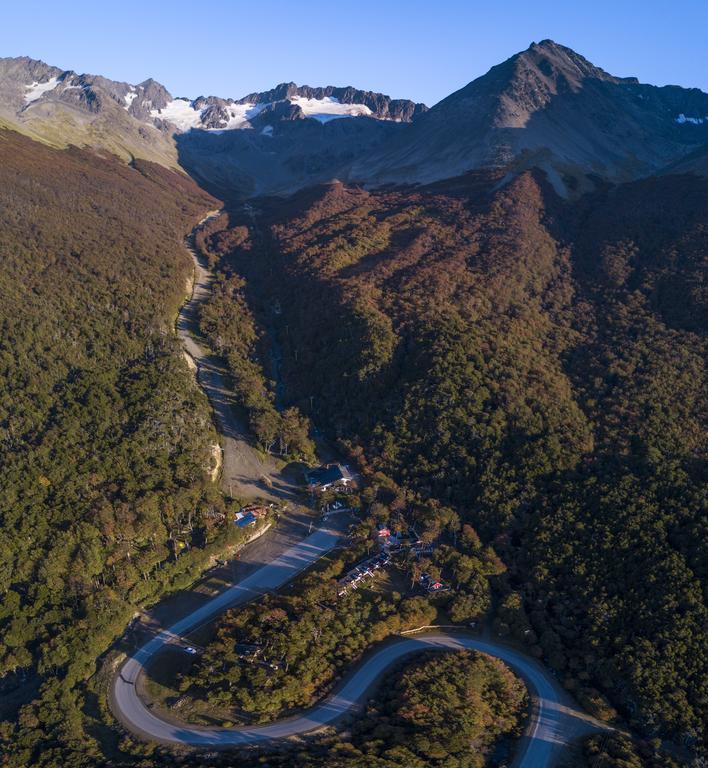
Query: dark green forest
point(535, 365)
point(310, 643)
point(228, 324)
point(104, 435)
point(519, 377)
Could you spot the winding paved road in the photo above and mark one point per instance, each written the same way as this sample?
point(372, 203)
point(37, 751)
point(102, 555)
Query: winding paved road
point(553, 724)
point(554, 720)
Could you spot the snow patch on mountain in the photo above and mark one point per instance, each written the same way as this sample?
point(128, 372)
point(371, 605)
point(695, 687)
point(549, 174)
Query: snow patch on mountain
point(216, 115)
point(180, 113)
point(130, 97)
point(681, 119)
point(183, 115)
point(239, 114)
point(329, 108)
point(37, 90)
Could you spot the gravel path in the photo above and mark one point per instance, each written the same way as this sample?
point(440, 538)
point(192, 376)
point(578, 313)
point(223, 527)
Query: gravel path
point(246, 472)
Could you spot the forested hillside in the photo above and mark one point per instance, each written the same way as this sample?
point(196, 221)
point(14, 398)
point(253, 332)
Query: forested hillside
point(228, 324)
point(104, 435)
point(537, 365)
point(452, 710)
point(462, 709)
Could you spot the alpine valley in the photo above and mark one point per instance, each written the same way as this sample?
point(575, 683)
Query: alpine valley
point(485, 319)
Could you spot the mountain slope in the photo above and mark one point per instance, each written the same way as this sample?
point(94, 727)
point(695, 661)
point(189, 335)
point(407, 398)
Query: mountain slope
point(280, 158)
point(62, 107)
point(546, 107)
point(551, 108)
point(104, 437)
point(486, 351)
point(536, 365)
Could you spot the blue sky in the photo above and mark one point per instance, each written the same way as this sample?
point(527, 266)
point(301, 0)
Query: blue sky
point(415, 49)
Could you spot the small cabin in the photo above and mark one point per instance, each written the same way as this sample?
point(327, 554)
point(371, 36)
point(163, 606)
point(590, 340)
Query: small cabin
point(327, 477)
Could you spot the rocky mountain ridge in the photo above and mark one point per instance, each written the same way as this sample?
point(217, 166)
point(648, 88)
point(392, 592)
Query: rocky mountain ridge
point(551, 108)
point(545, 107)
point(382, 107)
point(25, 82)
point(61, 107)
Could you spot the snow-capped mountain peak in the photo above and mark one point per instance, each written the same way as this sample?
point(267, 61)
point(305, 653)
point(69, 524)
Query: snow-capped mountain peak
point(285, 102)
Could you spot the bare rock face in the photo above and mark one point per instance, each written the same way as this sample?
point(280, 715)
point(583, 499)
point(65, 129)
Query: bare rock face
point(17, 73)
point(214, 116)
point(278, 111)
point(279, 157)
